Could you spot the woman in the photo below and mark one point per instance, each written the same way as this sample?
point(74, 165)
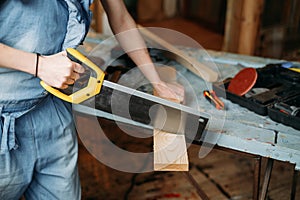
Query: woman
point(38, 144)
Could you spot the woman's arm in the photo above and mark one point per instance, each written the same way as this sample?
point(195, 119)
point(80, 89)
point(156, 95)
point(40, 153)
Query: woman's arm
point(131, 41)
point(56, 70)
point(17, 59)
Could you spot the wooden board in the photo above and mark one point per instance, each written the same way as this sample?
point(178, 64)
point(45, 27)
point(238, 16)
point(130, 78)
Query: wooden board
point(170, 152)
point(242, 26)
point(190, 63)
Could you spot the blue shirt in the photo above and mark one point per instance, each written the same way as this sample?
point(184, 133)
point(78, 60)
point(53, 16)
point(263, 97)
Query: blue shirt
point(40, 26)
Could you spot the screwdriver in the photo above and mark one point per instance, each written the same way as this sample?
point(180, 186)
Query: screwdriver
point(213, 99)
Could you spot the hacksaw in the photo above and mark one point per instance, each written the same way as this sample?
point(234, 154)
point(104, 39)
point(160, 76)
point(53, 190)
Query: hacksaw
point(105, 99)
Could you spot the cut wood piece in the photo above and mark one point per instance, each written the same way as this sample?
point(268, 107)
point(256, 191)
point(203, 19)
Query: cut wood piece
point(190, 63)
point(170, 151)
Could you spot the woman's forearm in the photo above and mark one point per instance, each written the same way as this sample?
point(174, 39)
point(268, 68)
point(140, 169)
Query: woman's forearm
point(56, 70)
point(129, 38)
point(16, 59)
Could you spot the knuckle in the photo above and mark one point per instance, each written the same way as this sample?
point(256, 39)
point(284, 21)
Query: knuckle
point(59, 85)
point(64, 80)
point(68, 67)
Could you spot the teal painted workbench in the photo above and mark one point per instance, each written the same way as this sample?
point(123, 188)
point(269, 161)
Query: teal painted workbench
point(236, 128)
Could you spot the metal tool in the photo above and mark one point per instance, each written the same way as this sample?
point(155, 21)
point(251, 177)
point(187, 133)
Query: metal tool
point(124, 104)
point(93, 86)
point(287, 109)
point(214, 99)
point(256, 91)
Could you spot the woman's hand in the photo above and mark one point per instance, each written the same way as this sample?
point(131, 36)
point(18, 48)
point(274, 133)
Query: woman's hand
point(58, 70)
point(171, 91)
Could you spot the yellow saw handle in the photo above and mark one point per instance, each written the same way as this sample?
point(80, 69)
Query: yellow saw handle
point(94, 83)
point(295, 69)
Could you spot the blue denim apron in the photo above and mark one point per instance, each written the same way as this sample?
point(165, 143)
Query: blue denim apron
point(9, 113)
point(46, 27)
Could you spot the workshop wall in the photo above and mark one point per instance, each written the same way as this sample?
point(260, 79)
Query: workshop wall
point(268, 28)
point(279, 34)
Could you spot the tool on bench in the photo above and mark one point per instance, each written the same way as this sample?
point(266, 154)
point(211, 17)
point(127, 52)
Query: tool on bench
point(274, 91)
point(243, 81)
point(287, 109)
point(110, 100)
point(213, 99)
point(291, 66)
point(256, 91)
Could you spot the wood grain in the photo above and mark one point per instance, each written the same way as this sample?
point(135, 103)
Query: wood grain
point(170, 152)
point(242, 25)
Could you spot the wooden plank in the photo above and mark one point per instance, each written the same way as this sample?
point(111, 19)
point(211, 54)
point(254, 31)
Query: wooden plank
point(250, 22)
point(190, 63)
point(232, 25)
point(170, 151)
point(242, 25)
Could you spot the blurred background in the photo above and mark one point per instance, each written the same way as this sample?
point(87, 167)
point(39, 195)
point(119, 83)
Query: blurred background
point(267, 28)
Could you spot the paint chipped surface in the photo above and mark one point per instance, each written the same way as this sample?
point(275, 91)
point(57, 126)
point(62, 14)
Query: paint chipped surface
point(238, 128)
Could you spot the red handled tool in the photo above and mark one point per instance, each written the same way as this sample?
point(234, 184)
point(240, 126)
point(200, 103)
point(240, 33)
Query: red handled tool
point(214, 99)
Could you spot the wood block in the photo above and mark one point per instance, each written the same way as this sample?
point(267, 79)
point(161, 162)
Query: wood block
point(170, 152)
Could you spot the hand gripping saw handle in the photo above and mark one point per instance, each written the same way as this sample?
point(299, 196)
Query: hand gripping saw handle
point(92, 87)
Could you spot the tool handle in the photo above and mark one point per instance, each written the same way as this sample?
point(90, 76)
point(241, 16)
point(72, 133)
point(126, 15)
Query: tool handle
point(213, 99)
point(94, 82)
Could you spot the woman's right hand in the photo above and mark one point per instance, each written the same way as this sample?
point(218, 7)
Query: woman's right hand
point(58, 70)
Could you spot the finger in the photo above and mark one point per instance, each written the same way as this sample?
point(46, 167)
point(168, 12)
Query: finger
point(78, 68)
point(64, 53)
point(180, 98)
point(64, 86)
point(180, 93)
point(75, 76)
point(69, 81)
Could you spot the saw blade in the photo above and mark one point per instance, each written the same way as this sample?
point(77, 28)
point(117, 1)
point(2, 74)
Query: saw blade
point(127, 105)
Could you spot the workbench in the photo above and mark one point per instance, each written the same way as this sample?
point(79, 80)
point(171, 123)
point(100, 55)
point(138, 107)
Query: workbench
point(239, 130)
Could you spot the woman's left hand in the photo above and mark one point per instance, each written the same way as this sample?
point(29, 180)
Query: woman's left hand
point(171, 91)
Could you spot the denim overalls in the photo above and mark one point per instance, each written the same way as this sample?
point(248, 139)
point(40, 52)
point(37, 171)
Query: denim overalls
point(38, 144)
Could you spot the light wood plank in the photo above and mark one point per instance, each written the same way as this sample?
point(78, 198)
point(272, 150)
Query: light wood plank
point(170, 152)
point(242, 25)
point(250, 21)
